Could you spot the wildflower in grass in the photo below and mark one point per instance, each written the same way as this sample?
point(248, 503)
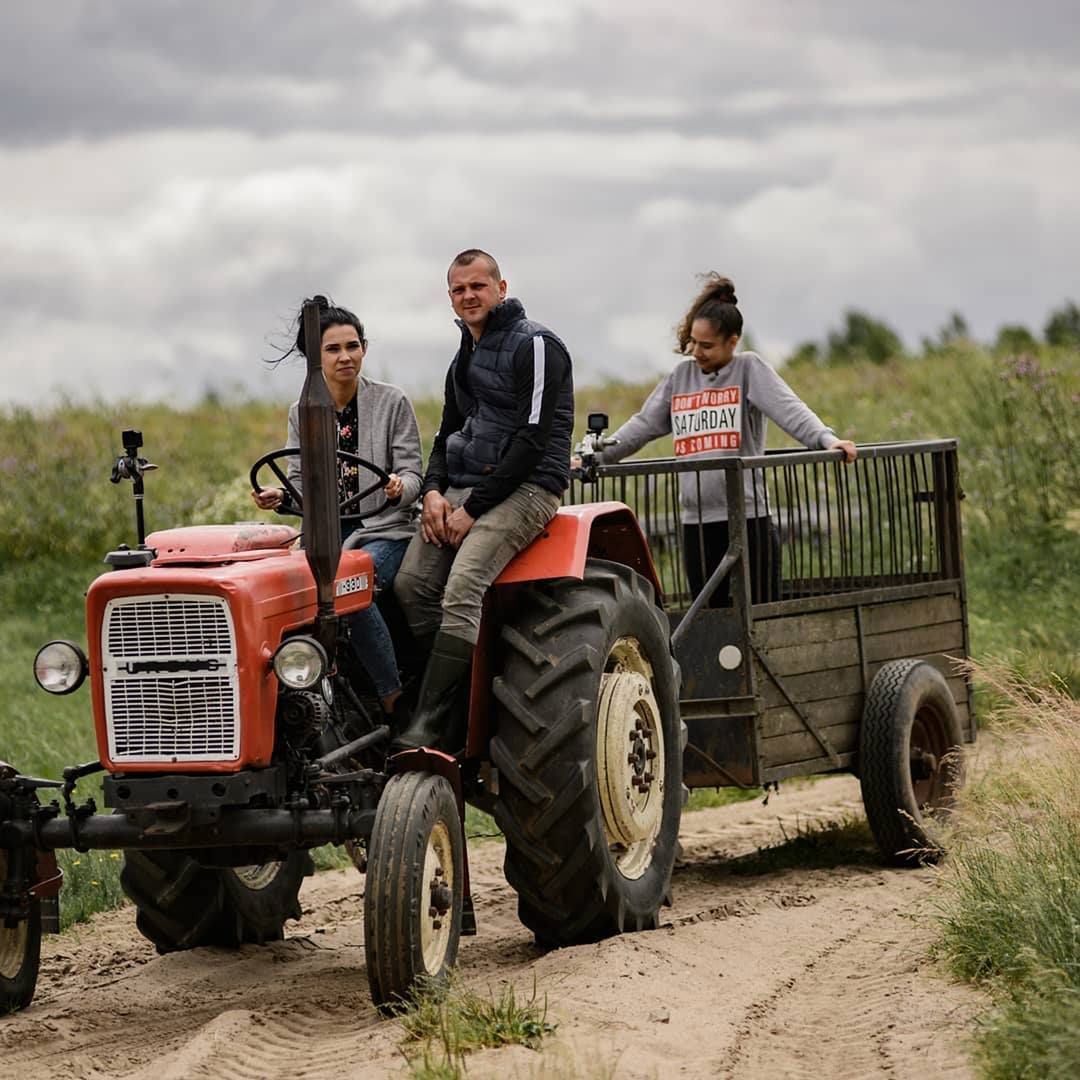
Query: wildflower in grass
point(114, 854)
point(95, 882)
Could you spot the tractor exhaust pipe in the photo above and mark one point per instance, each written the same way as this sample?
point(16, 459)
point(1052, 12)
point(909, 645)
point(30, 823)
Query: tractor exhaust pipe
point(318, 473)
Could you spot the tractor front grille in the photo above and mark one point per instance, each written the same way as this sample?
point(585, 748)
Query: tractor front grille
point(171, 686)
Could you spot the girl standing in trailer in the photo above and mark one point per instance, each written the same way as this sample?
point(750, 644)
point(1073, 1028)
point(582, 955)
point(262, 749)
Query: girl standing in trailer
point(716, 404)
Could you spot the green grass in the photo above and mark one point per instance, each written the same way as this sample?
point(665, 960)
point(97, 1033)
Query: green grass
point(1034, 1034)
point(91, 884)
point(464, 1020)
point(705, 798)
point(443, 1024)
point(40, 733)
point(480, 826)
point(1009, 916)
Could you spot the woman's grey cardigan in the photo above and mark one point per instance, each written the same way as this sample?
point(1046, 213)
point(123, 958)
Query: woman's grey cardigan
point(388, 435)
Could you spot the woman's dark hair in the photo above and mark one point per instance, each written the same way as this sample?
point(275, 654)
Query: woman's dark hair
point(329, 315)
point(717, 303)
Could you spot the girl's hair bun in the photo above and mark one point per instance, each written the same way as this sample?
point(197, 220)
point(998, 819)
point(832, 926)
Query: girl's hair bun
point(716, 302)
point(721, 289)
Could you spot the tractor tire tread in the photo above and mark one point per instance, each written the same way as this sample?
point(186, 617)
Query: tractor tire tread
point(557, 857)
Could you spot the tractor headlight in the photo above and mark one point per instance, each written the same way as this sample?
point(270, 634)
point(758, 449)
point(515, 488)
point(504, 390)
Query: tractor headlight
point(300, 663)
point(60, 667)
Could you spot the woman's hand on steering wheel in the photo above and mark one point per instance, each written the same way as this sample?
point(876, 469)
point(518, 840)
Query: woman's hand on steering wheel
point(268, 499)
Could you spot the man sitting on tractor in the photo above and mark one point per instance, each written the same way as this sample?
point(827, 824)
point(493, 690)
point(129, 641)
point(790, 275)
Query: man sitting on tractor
point(498, 467)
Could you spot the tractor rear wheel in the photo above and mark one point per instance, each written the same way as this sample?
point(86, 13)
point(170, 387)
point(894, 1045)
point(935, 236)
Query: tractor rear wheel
point(20, 953)
point(910, 760)
point(181, 904)
point(263, 896)
point(589, 752)
point(414, 887)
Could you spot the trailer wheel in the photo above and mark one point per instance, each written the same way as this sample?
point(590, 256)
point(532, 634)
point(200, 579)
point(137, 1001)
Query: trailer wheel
point(589, 753)
point(414, 887)
point(20, 954)
point(181, 904)
point(910, 760)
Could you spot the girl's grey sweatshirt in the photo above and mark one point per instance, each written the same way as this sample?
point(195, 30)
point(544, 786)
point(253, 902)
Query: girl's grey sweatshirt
point(720, 415)
point(388, 435)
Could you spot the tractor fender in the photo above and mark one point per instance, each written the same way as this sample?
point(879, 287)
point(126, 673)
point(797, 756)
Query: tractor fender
point(601, 530)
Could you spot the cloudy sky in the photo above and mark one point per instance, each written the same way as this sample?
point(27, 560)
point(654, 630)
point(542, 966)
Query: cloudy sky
point(175, 175)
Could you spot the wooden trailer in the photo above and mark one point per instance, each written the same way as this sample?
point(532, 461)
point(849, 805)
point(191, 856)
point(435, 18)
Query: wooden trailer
point(803, 669)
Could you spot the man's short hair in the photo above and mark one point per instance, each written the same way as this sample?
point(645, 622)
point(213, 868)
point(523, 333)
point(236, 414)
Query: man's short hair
point(470, 255)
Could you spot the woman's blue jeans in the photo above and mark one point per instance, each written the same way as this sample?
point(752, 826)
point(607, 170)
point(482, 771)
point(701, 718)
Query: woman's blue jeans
point(370, 635)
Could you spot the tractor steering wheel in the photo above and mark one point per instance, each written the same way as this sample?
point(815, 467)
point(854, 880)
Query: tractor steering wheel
point(271, 460)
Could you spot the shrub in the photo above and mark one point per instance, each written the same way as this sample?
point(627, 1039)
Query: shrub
point(1063, 326)
point(1010, 914)
point(863, 338)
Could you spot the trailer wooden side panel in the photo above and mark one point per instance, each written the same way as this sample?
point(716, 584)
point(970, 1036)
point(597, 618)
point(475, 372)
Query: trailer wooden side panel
point(812, 671)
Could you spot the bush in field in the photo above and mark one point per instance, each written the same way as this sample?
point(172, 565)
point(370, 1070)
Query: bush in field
point(862, 338)
point(1063, 326)
point(1010, 915)
point(954, 331)
point(1014, 338)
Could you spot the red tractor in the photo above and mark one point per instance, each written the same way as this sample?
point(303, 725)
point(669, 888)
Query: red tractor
point(235, 734)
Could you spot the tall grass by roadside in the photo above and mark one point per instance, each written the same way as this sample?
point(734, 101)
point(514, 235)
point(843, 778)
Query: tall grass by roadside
point(1017, 419)
point(1009, 918)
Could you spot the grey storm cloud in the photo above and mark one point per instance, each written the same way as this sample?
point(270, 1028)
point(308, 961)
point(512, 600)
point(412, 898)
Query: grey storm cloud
point(74, 68)
point(176, 176)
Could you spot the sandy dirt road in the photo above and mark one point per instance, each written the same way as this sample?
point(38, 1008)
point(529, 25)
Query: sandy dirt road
point(754, 973)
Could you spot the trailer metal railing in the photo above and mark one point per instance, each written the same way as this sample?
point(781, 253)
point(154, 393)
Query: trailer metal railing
point(890, 518)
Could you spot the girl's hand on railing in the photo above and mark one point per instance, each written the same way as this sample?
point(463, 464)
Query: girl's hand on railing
point(850, 450)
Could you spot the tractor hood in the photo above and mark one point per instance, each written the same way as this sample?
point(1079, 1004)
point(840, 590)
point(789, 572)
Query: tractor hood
point(202, 545)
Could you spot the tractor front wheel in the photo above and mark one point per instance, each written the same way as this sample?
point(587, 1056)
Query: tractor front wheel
point(414, 887)
point(20, 953)
point(589, 752)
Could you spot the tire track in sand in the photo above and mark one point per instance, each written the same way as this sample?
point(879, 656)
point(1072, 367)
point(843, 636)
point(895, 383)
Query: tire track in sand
point(789, 973)
point(861, 1006)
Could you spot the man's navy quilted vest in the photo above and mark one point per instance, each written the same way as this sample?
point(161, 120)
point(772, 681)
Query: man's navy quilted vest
point(492, 411)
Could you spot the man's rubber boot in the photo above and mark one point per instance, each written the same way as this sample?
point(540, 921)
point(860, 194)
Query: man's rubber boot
point(434, 716)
